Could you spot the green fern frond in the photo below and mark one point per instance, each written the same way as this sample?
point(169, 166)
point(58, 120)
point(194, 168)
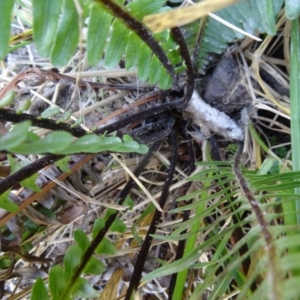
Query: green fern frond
point(226, 211)
point(249, 15)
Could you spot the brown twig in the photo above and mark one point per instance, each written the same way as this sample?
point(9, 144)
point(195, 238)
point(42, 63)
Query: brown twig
point(47, 187)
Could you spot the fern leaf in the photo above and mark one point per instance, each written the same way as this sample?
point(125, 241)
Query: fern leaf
point(5, 15)
point(121, 40)
point(249, 15)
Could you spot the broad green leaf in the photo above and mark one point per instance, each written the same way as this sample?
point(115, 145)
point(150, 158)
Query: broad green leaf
point(98, 225)
point(132, 51)
point(63, 164)
point(77, 122)
point(117, 44)
point(5, 21)
point(133, 146)
point(50, 112)
point(94, 267)
point(92, 144)
point(45, 20)
point(67, 35)
point(144, 63)
point(87, 143)
point(118, 226)
point(109, 143)
point(98, 29)
point(83, 289)
point(127, 138)
point(39, 290)
point(267, 17)
point(8, 98)
point(15, 137)
point(263, 15)
point(15, 165)
point(52, 143)
point(30, 183)
point(6, 204)
point(64, 117)
point(72, 260)
point(165, 80)
point(25, 105)
point(81, 239)
point(292, 9)
point(57, 281)
point(142, 8)
point(128, 202)
point(154, 71)
point(106, 247)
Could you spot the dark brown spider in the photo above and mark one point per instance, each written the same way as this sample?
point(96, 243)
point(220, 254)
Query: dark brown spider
point(155, 117)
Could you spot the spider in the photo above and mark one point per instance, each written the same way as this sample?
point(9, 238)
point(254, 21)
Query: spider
point(155, 118)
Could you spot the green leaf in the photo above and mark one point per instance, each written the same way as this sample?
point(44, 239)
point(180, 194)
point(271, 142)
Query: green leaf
point(117, 44)
point(5, 21)
point(87, 143)
point(118, 226)
point(266, 13)
point(128, 202)
point(81, 239)
point(45, 20)
point(57, 281)
point(132, 51)
point(142, 8)
point(174, 267)
point(14, 164)
point(6, 204)
point(106, 247)
point(39, 290)
point(98, 29)
point(292, 9)
point(15, 137)
point(5, 261)
point(144, 63)
point(8, 98)
point(154, 71)
point(64, 117)
point(54, 142)
point(98, 225)
point(94, 144)
point(132, 146)
point(83, 289)
point(67, 35)
point(94, 267)
point(165, 79)
point(30, 183)
point(72, 260)
point(25, 105)
point(63, 164)
point(50, 112)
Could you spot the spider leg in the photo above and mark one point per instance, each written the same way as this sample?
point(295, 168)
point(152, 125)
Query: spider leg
point(186, 213)
point(142, 256)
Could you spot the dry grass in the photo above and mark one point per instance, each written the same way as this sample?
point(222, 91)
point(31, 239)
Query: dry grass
point(92, 185)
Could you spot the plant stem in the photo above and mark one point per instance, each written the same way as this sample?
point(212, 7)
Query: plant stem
point(295, 103)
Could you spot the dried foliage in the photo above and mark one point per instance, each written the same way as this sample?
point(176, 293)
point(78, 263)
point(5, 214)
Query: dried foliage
point(109, 188)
